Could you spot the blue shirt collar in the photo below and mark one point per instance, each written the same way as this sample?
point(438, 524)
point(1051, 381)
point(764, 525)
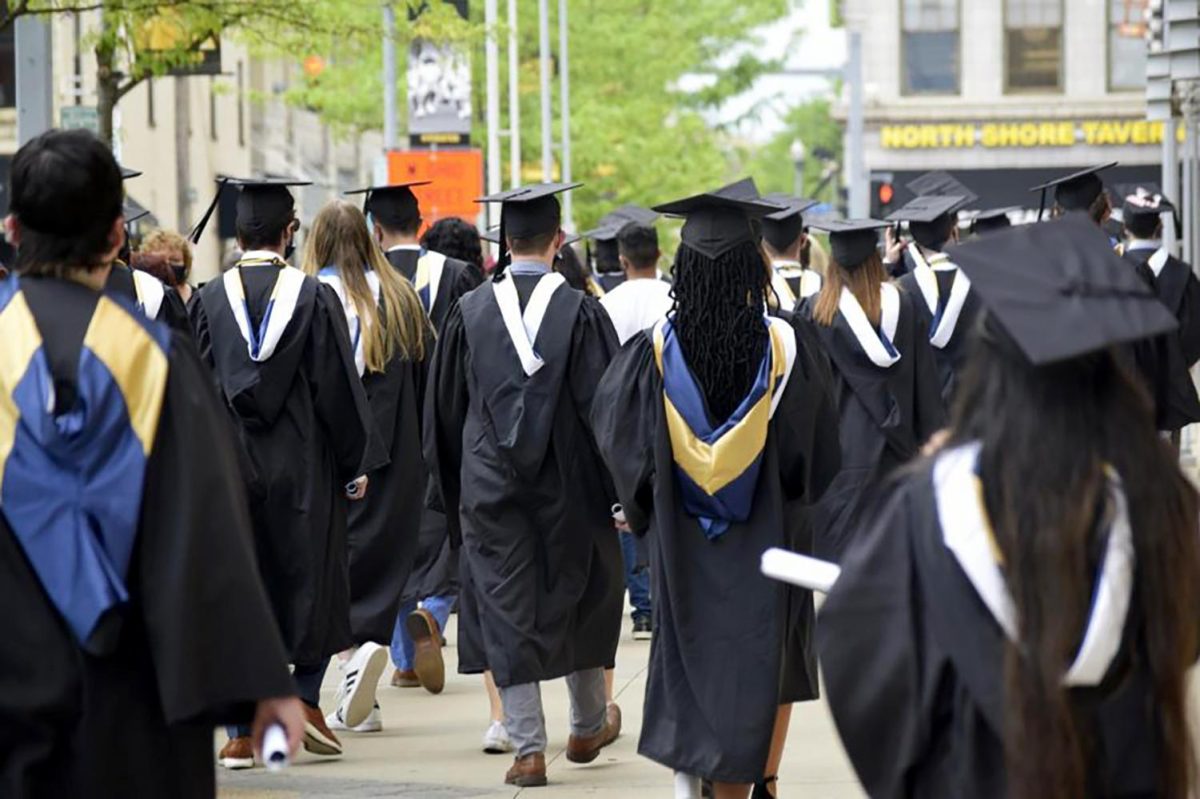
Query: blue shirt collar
point(528, 268)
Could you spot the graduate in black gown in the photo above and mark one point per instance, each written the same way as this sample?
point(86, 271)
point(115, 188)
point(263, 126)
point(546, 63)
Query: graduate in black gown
point(886, 382)
point(944, 299)
point(276, 341)
point(134, 619)
point(394, 215)
point(784, 239)
point(507, 440)
point(1020, 619)
point(390, 336)
point(1142, 215)
point(719, 473)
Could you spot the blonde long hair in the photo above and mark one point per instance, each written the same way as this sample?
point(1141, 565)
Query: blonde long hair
point(339, 237)
point(863, 281)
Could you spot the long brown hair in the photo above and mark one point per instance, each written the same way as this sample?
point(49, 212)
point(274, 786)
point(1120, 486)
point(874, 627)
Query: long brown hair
point(863, 281)
point(340, 238)
point(1047, 435)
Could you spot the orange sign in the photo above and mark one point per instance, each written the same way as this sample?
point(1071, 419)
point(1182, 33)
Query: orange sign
point(456, 175)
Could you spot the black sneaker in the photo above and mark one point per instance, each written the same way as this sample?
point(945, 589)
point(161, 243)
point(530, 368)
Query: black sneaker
point(641, 629)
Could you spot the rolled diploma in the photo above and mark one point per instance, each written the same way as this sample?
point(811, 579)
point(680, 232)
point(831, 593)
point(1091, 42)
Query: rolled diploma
point(800, 570)
point(275, 751)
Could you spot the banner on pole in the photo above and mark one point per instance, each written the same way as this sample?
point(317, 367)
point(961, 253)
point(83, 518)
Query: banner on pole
point(439, 89)
point(456, 175)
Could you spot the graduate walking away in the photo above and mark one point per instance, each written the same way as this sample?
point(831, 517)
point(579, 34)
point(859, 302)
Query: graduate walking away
point(946, 305)
point(390, 336)
point(886, 383)
point(276, 341)
point(1021, 618)
point(125, 548)
point(784, 241)
point(511, 387)
point(718, 428)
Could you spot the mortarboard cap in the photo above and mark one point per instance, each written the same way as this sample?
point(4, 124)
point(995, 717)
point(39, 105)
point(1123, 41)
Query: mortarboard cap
point(1145, 203)
point(127, 173)
point(1076, 191)
point(851, 241)
point(718, 221)
point(493, 236)
point(992, 219)
point(528, 211)
point(264, 203)
point(782, 228)
point(940, 184)
point(928, 208)
point(1059, 291)
point(393, 205)
point(132, 213)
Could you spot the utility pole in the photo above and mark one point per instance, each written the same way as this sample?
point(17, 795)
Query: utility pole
point(544, 64)
point(514, 98)
point(565, 112)
point(492, 60)
point(35, 102)
point(855, 168)
point(390, 121)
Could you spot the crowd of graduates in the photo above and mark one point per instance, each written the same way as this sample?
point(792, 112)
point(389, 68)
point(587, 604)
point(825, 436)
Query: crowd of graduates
point(209, 495)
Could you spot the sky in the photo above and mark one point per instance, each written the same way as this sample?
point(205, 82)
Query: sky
point(805, 41)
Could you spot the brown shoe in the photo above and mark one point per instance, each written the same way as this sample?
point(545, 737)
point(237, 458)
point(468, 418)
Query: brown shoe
point(318, 738)
point(237, 753)
point(427, 658)
point(405, 679)
point(585, 750)
point(528, 771)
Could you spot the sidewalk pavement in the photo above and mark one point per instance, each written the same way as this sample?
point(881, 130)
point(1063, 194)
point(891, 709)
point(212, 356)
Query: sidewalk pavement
point(430, 747)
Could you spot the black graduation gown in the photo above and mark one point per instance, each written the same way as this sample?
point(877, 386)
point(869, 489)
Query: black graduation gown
point(729, 645)
point(303, 422)
point(196, 645)
point(885, 415)
point(383, 527)
point(435, 571)
point(914, 671)
point(952, 358)
point(543, 583)
point(172, 312)
point(1179, 290)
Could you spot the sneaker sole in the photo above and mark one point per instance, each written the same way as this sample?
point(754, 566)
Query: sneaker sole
point(361, 701)
point(640, 636)
point(527, 782)
point(427, 659)
point(317, 744)
point(236, 763)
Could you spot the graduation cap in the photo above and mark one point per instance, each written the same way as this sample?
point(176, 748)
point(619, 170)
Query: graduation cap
point(851, 241)
point(718, 221)
point(1145, 208)
point(527, 211)
point(941, 184)
point(1076, 191)
point(930, 217)
point(782, 228)
point(1059, 291)
point(127, 173)
point(263, 203)
point(393, 205)
point(133, 213)
point(992, 219)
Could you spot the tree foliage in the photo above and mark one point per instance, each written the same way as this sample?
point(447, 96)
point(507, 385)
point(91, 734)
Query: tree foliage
point(812, 123)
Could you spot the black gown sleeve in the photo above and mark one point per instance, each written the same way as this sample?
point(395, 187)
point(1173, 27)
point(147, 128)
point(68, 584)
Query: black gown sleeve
point(869, 642)
point(200, 334)
point(213, 639)
point(1189, 321)
point(338, 395)
point(929, 407)
point(593, 344)
point(624, 421)
point(173, 312)
point(446, 401)
point(810, 452)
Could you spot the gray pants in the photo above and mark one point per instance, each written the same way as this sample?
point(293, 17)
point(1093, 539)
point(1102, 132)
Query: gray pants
point(526, 723)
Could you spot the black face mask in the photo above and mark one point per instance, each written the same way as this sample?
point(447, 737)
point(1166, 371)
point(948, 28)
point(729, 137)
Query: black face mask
point(180, 273)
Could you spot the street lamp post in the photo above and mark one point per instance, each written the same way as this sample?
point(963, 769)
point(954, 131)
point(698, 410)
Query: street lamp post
point(798, 152)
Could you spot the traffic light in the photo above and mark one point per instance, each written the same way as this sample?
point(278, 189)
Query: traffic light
point(882, 195)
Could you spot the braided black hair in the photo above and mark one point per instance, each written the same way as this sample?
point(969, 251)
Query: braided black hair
point(718, 312)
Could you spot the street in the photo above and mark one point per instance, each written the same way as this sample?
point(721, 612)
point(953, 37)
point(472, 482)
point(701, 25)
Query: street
point(430, 748)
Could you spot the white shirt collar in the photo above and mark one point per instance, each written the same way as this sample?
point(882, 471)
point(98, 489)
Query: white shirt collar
point(1143, 244)
point(260, 255)
point(404, 247)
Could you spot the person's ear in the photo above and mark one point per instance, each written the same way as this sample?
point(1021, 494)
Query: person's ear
point(116, 240)
point(560, 238)
point(625, 265)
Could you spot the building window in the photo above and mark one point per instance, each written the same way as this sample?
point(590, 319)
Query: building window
point(1033, 45)
point(1127, 44)
point(930, 46)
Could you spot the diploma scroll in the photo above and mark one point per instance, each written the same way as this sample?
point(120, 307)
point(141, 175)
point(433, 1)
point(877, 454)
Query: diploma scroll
point(799, 570)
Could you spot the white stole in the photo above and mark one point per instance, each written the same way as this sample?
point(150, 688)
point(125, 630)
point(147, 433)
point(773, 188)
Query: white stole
point(864, 331)
point(149, 291)
point(523, 327)
point(330, 277)
point(927, 283)
point(278, 314)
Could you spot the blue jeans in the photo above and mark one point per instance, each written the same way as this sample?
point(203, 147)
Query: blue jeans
point(637, 577)
point(308, 688)
point(402, 644)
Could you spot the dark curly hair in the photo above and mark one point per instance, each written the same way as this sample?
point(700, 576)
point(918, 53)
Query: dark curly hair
point(455, 238)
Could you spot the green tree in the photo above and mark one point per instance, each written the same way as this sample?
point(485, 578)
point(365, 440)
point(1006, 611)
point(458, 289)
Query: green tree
point(772, 166)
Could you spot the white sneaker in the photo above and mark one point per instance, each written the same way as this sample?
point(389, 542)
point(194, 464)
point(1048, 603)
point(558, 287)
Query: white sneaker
point(496, 740)
point(374, 722)
point(360, 679)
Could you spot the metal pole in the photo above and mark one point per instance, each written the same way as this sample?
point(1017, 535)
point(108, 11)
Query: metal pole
point(514, 98)
point(492, 57)
point(390, 122)
point(855, 169)
point(544, 64)
point(35, 102)
point(1190, 105)
point(565, 112)
point(1170, 181)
